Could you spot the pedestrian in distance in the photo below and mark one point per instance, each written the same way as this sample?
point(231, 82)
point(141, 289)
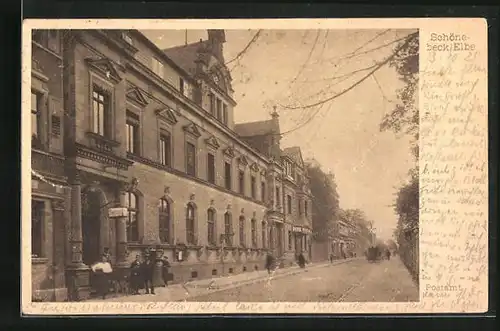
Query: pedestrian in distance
point(388, 254)
point(331, 258)
point(135, 275)
point(147, 274)
point(165, 270)
point(269, 262)
point(302, 261)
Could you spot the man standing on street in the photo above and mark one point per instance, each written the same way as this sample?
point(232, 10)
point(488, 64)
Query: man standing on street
point(147, 274)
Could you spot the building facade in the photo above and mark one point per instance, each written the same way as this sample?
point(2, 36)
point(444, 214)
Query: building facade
point(49, 182)
point(146, 156)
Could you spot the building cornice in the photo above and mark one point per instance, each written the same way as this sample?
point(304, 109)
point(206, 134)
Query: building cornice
point(159, 166)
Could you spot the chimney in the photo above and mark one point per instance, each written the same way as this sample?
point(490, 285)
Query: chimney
point(217, 38)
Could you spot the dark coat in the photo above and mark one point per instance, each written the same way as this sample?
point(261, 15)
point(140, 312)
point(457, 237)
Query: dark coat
point(302, 260)
point(269, 261)
point(147, 269)
point(135, 274)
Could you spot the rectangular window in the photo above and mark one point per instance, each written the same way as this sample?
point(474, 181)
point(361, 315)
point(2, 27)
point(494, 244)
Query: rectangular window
point(289, 204)
point(228, 229)
point(211, 227)
point(157, 67)
point(254, 233)
point(278, 196)
point(224, 114)
point(262, 191)
point(299, 206)
point(190, 159)
point(253, 188)
point(166, 149)
point(219, 109)
point(211, 97)
point(35, 119)
point(164, 221)
point(289, 240)
point(241, 182)
point(100, 111)
point(211, 168)
point(305, 208)
point(132, 205)
point(242, 231)
point(37, 220)
point(132, 133)
point(227, 175)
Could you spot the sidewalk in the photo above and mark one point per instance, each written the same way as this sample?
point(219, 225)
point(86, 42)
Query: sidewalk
point(195, 288)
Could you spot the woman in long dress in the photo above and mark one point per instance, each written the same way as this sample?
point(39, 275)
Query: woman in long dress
point(101, 272)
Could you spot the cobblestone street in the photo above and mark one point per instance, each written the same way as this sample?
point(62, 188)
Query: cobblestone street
point(359, 280)
point(344, 280)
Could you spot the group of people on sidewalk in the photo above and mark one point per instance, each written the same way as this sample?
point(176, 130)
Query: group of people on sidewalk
point(271, 261)
point(140, 276)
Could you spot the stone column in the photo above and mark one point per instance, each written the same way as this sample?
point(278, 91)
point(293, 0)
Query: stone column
point(76, 240)
point(78, 273)
point(121, 235)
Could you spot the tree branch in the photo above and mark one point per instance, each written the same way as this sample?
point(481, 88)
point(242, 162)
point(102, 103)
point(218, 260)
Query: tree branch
point(377, 67)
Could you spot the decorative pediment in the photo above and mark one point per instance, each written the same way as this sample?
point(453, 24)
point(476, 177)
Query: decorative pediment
point(192, 129)
point(229, 152)
point(137, 96)
point(243, 160)
point(213, 142)
point(105, 67)
point(166, 114)
point(254, 167)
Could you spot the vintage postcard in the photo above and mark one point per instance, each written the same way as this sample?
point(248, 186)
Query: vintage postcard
point(254, 166)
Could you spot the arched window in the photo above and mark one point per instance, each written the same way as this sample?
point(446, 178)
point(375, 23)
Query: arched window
point(228, 229)
point(242, 230)
point(264, 234)
point(190, 220)
point(131, 202)
point(164, 221)
point(211, 227)
point(254, 232)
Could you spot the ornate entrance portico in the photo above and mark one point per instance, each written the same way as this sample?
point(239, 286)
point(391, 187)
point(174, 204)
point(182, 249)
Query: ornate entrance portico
point(98, 222)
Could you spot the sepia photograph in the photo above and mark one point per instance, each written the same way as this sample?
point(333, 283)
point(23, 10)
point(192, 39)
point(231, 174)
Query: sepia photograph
point(224, 165)
point(241, 166)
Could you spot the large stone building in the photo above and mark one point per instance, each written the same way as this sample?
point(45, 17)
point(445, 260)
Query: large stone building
point(136, 149)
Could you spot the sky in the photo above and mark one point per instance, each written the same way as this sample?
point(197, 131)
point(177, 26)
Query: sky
point(294, 68)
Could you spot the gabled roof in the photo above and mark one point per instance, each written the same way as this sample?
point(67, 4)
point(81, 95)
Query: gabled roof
point(186, 55)
point(259, 128)
point(295, 154)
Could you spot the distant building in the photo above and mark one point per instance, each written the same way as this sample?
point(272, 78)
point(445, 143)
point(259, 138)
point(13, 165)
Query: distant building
point(141, 151)
point(290, 209)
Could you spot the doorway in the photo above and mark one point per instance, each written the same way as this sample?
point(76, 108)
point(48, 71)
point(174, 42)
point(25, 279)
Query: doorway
point(91, 226)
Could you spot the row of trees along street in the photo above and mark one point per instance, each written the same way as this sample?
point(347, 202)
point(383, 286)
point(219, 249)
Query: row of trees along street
point(403, 119)
point(327, 211)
